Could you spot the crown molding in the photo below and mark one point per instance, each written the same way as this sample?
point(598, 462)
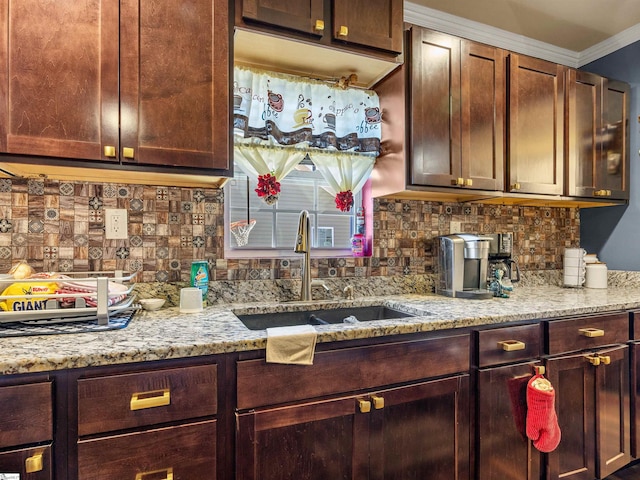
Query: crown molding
point(480, 32)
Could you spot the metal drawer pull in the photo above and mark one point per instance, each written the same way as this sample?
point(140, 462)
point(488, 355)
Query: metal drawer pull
point(128, 152)
point(591, 332)
point(593, 360)
point(169, 474)
point(319, 26)
point(34, 463)
point(512, 345)
point(605, 359)
point(156, 398)
point(364, 405)
point(378, 402)
point(343, 31)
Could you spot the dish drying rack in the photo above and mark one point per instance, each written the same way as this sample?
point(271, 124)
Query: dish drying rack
point(98, 281)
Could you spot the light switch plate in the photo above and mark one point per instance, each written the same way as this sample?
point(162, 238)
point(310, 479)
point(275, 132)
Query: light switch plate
point(115, 223)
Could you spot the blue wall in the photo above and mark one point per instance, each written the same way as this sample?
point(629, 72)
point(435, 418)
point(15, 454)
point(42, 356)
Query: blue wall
point(614, 232)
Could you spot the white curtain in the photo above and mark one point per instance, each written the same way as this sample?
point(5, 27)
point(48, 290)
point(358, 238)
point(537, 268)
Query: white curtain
point(278, 119)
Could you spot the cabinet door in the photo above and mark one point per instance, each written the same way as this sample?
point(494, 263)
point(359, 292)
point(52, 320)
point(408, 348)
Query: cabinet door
point(29, 463)
point(174, 82)
point(311, 441)
point(371, 23)
point(291, 14)
point(584, 113)
point(435, 108)
point(573, 379)
point(421, 431)
point(613, 422)
point(59, 90)
point(503, 450)
point(536, 126)
point(482, 113)
point(614, 163)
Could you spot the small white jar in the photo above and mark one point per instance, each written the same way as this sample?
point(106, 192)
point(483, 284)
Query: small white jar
point(596, 275)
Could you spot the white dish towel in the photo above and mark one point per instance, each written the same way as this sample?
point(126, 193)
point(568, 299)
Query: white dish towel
point(291, 345)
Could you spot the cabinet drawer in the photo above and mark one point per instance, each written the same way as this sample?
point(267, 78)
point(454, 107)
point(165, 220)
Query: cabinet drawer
point(185, 452)
point(138, 399)
point(508, 344)
point(36, 461)
point(587, 332)
point(26, 414)
point(351, 369)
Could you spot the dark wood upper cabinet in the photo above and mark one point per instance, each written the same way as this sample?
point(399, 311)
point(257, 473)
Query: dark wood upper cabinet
point(59, 90)
point(597, 136)
point(126, 81)
point(371, 24)
point(457, 112)
point(536, 126)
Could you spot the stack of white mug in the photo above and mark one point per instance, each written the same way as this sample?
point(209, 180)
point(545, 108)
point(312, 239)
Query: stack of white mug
point(574, 267)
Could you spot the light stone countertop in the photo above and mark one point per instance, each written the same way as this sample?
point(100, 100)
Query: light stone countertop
point(168, 334)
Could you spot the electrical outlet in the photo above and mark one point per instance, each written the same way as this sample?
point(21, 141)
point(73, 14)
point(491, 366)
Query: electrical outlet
point(115, 223)
point(455, 227)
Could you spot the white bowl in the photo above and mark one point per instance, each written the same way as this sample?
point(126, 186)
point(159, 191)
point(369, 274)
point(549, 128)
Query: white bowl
point(151, 304)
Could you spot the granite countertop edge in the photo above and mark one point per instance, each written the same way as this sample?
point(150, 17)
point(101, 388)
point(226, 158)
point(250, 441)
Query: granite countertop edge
point(168, 334)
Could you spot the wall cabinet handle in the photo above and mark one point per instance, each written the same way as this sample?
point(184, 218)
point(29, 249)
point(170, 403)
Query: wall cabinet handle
point(109, 151)
point(343, 31)
point(605, 359)
point(128, 152)
point(34, 463)
point(319, 26)
point(468, 182)
point(515, 186)
point(167, 471)
point(364, 405)
point(593, 360)
point(591, 332)
point(512, 345)
point(378, 402)
point(155, 398)
point(457, 181)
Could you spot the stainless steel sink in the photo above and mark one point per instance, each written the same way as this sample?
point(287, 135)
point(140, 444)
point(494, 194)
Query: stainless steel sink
point(261, 321)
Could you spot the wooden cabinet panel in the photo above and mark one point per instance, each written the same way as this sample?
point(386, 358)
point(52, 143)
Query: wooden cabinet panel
point(536, 126)
point(598, 137)
point(500, 345)
point(613, 167)
point(175, 84)
point(38, 459)
point(577, 333)
point(370, 23)
point(27, 414)
point(138, 399)
point(417, 431)
point(185, 451)
point(292, 14)
point(483, 83)
point(350, 369)
point(59, 90)
point(424, 431)
point(435, 113)
point(503, 450)
point(309, 441)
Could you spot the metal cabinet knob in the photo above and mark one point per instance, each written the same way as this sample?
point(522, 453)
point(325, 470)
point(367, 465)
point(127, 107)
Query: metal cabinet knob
point(319, 26)
point(343, 31)
point(364, 406)
point(378, 402)
point(109, 151)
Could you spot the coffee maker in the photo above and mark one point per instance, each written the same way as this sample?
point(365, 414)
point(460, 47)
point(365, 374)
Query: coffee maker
point(462, 262)
point(500, 257)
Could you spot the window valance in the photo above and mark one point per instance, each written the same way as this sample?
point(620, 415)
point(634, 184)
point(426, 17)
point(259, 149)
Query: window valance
point(279, 119)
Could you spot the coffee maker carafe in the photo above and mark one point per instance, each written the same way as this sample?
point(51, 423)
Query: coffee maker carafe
point(500, 257)
point(462, 262)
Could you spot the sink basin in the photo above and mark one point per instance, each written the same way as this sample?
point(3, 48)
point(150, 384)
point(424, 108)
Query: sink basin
point(260, 321)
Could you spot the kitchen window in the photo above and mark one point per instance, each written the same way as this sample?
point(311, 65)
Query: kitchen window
point(274, 232)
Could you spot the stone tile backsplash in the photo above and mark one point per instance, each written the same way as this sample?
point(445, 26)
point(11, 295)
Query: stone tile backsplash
point(59, 226)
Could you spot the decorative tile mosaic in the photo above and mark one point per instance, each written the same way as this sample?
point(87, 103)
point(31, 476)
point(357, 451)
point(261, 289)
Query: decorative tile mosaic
point(59, 226)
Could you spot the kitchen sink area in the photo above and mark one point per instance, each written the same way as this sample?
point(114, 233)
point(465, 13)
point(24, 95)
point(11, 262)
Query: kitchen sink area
point(330, 316)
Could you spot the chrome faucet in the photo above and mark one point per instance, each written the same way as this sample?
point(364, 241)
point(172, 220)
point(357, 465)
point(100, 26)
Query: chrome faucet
point(303, 245)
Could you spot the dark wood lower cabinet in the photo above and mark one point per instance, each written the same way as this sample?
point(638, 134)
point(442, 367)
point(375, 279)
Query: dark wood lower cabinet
point(30, 463)
point(592, 402)
point(415, 432)
point(504, 451)
point(185, 452)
